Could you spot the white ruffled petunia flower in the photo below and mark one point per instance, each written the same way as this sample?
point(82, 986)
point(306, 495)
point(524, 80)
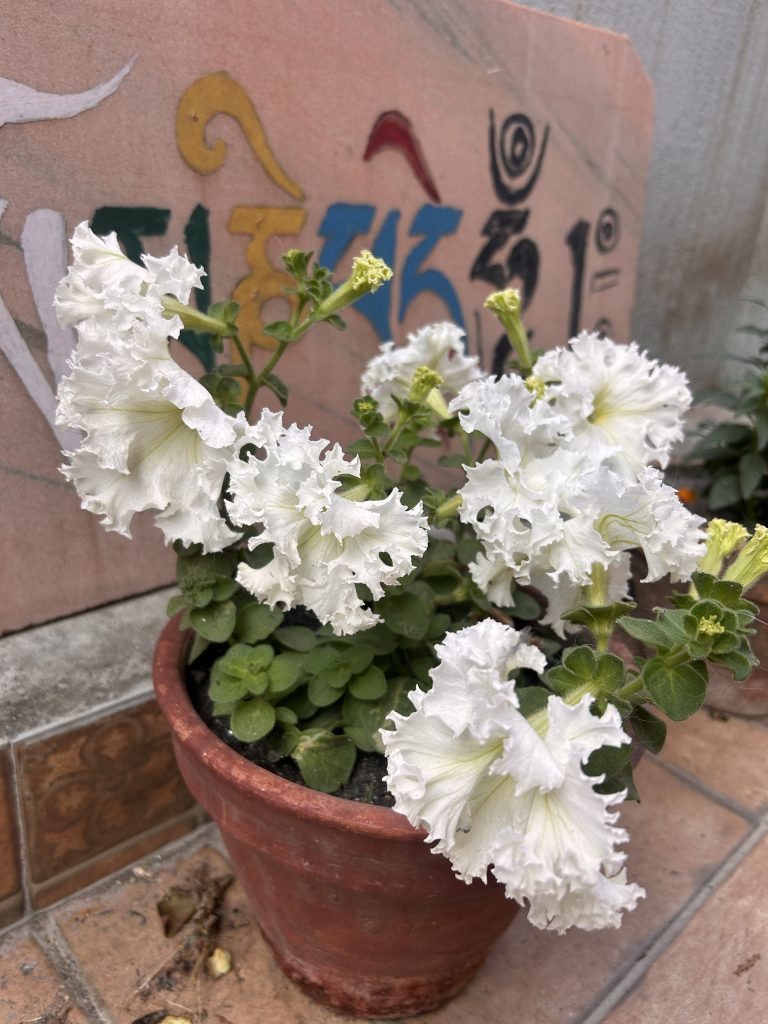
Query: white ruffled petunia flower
point(154, 438)
point(102, 284)
point(324, 543)
point(496, 790)
point(534, 517)
point(648, 514)
point(624, 406)
point(439, 346)
point(521, 427)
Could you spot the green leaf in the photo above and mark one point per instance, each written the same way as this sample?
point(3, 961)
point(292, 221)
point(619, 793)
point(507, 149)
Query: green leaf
point(261, 555)
point(256, 622)
point(336, 321)
point(257, 682)
point(286, 716)
point(285, 671)
point(299, 702)
point(224, 589)
point(364, 448)
point(599, 619)
point(647, 729)
point(760, 420)
point(252, 719)
point(583, 667)
point(277, 387)
point(645, 630)
point(738, 663)
point(363, 718)
point(283, 743)
point(368, 685)
point(296, 638)
point(608, 760)
point(176, 604)
point(724, 491)
point(325, 760)
point(405, 614)
point(320, 691)
point(216, 622)
point(525, 606)
point(467, 549)
point(678, 691)
point(222, 709)
point(223, 688)
point(199, 644)
point(280, 329)
point(381, 640)
point(330, 658)
point(439, 626)
point(751, 472)
point(532, 699)
point(620, 780)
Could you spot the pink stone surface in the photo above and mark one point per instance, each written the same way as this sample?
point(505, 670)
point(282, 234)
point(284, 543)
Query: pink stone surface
point(319, 76)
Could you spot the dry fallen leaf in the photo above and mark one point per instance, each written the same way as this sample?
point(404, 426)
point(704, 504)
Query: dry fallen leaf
point(175, 909)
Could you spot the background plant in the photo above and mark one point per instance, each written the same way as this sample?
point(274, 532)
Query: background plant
point(731, 455)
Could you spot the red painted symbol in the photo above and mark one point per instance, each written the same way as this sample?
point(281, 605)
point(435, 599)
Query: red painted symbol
point(394, 131)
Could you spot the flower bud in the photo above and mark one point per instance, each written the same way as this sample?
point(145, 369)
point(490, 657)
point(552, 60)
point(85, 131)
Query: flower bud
point(506, 306)
point(751, 563)
point(723, 537)
point(424, 381)
point(368, 274)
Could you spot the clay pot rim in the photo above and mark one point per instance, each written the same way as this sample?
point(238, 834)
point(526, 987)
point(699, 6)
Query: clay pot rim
point(194, 735)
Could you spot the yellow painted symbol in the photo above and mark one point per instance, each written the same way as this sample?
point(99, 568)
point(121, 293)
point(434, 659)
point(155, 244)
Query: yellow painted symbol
point(204, 99)
point(265, 281)
point(220, 94)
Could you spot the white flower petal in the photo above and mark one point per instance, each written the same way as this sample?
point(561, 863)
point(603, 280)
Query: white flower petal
point(330, 542)
point(511, 793)
point(624, 406)
point(439, 346)
point(154, 438)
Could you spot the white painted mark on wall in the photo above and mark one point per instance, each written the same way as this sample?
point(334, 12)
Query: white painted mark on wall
point(44, 244)
point(20, 103)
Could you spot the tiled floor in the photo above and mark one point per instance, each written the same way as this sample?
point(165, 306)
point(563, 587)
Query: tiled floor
point(696, 950)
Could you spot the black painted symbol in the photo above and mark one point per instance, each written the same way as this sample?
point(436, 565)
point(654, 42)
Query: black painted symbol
point(512, 152)
point(604, 327)
point(607, 230)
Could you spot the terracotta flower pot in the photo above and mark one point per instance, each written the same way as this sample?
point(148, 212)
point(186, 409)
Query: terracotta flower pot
point(355, 907)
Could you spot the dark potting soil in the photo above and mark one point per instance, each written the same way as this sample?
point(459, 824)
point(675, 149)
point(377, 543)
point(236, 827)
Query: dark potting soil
point(365, 784)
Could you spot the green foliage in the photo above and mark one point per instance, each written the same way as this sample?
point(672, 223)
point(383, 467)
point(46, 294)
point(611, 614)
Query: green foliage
point(584, 668)
point(711, 625)
point(325, 759)
point(649, 730)
point(731, 457)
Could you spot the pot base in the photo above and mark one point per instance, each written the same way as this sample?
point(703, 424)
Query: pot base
point(382, 998)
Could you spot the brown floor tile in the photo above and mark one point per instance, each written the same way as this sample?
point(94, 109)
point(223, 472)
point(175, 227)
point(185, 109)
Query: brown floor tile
point(54, 889)
point(29, 989)
point(678, 838)
point(728, 755)
point(124, 920)
point(93, 787)
point(717, 968)
point(11, 900)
